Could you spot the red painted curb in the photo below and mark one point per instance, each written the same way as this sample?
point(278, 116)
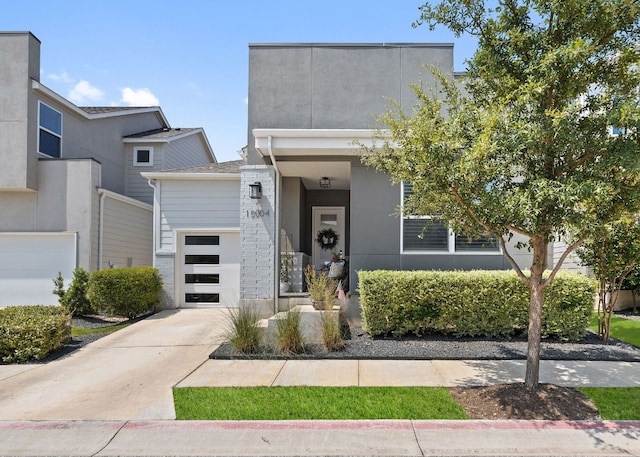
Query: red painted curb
point(387, 425)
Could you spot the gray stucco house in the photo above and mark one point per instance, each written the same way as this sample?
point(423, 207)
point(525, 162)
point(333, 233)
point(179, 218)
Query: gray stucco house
point(71, 193)
point(309, 106)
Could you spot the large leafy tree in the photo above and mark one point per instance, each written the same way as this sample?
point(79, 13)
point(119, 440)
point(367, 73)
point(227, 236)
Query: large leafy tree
point(526, 147)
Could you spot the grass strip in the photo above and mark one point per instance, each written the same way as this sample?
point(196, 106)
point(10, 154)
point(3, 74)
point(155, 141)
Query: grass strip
point(627, 330)
point(315, 403)
point(615, 403)
point(80, 331)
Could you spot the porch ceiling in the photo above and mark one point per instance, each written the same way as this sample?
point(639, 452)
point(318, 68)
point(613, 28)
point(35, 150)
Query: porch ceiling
point(314, 153)
point(310, 172)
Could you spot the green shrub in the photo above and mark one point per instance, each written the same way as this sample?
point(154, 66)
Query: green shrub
point(75, 299)
point(32, 332)
point(127, 292)
point(243, 330)
point(471, 303)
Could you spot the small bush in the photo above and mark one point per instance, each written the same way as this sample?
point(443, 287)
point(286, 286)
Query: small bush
point(289, 333)
point(471, 303)
point(128, 292)
point(32, 332)
point(75, 298)
point(243, 331)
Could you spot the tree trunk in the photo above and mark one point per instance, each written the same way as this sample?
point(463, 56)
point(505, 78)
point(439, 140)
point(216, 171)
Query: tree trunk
point(536, 288)
point(532, 374)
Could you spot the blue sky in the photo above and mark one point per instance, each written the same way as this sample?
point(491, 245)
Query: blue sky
point(191, 56)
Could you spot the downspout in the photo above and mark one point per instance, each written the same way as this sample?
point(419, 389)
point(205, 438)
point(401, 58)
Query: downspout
point(100, 226)
point(276, 260)
point(152, 184)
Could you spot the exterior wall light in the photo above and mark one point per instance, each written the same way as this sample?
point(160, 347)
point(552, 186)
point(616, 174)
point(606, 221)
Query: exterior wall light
point(255, 190)
point(325, 182)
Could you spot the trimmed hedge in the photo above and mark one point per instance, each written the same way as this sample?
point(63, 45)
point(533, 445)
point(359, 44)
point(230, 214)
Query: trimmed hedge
point(128, 292)
point(32, 332)
point(471, 303)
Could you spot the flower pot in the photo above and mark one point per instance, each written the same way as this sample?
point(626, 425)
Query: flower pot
point(284, 287)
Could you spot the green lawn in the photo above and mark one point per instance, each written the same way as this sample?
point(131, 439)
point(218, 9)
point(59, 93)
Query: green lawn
point(315, 403)
point(626, 330)
point(354, 403)
point(80, 331)
point(615, 403)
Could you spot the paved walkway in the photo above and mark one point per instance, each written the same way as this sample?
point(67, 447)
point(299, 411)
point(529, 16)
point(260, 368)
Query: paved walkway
point(126, 375)
point(448, 373)
point(113, 397)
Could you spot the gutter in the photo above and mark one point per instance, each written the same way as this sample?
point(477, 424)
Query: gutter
point(276, 257)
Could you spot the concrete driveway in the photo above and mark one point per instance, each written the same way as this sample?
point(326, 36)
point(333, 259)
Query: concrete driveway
point(124, 376)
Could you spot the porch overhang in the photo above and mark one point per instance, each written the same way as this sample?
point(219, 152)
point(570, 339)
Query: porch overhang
point(314, 142)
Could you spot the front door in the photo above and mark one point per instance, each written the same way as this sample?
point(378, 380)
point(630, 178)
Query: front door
point(327, 220)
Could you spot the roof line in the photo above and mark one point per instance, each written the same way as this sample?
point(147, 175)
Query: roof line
point(38, 86)
point(352, 45)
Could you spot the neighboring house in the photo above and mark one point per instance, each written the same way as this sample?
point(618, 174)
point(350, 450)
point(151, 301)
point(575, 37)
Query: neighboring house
point(309, 107)
point(71, 194)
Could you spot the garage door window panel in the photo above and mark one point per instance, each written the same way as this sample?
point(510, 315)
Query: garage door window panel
point(202, 278)
point(202, 240)
point(202, 298)
point(202, 259)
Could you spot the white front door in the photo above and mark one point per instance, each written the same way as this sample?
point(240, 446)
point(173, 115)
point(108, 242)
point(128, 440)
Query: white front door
point(326, 218)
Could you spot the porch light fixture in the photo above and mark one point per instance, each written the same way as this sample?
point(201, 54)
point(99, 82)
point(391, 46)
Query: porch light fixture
point(255, 190)
point(325, 182)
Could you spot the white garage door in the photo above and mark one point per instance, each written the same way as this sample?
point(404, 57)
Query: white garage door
point(28, 264)
point(210, 273)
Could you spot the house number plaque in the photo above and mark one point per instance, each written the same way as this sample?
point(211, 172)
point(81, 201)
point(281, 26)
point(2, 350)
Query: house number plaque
point(257, 213)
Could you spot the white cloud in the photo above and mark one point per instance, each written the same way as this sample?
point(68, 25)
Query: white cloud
point(84, 92)
point(61, 77)
point(139, 97)
point(246, 100)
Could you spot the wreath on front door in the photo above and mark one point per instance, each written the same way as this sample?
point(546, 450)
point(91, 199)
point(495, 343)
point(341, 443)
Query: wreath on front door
point(327, 239)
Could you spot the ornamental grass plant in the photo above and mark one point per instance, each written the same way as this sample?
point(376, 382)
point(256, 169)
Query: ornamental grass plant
point(290, 339)
point(330, 324)
point(243, 331)
point(318, 284)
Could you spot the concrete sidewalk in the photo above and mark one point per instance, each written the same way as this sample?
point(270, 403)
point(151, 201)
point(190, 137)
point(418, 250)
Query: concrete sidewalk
point(448, 373)
point(312, 438)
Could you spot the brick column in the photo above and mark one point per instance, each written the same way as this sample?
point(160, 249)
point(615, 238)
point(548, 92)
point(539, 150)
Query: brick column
point(257, 237)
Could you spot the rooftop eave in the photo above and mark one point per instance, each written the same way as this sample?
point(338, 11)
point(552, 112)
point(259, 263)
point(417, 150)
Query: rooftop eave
point(316, 142)
point(173, 176)
point(39, 87)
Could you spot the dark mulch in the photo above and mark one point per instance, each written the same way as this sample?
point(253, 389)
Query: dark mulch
point(514, 401)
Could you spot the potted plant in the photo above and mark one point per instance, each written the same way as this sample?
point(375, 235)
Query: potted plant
point(319, 286)
point(284, 274)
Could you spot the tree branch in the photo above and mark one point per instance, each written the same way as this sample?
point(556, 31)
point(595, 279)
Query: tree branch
point(471, 213)
point(563, 257)
point(511, 260)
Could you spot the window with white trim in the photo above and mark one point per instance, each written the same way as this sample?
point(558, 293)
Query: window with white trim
point(143, 157)
point(423, 234)
point(49, 130)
